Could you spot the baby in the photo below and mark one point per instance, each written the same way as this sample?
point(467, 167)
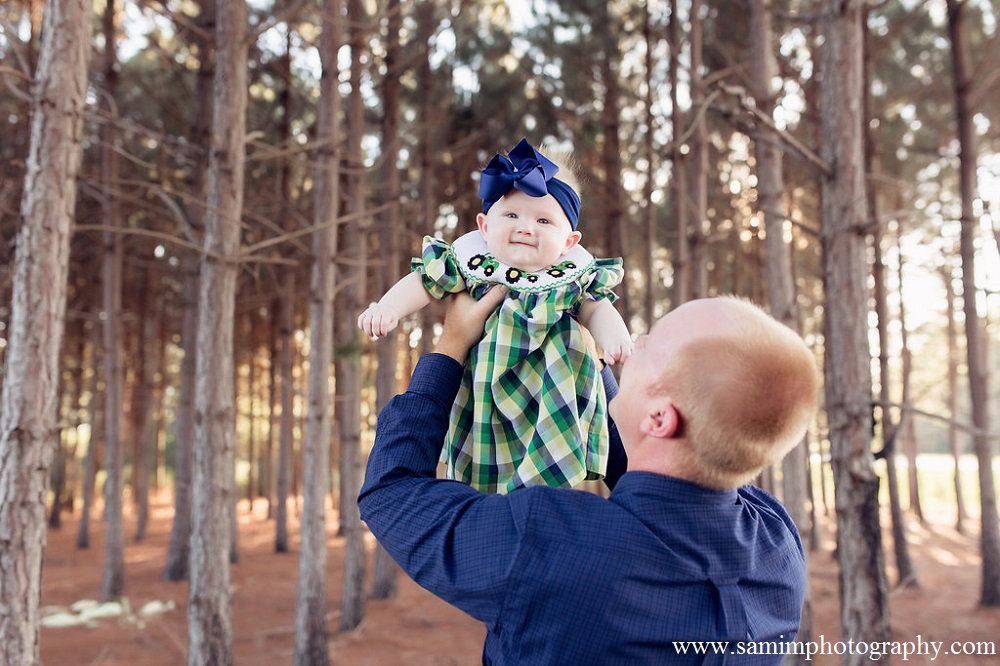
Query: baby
point(531, 407)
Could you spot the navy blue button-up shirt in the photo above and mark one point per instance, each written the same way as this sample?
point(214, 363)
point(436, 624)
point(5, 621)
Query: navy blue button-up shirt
point(663, 571)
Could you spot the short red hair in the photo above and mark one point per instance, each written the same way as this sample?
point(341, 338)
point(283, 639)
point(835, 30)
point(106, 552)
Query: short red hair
point(745, 395)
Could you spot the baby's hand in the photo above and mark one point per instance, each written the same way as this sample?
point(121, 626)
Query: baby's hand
point(377, 321)
point(618, 352)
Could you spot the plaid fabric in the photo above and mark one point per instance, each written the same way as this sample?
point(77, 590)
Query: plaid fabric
point(531, 406)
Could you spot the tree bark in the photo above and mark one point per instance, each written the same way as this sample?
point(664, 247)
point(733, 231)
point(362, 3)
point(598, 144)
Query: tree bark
point(113, 581)
point(778, 267)
point(616, 238)
point(385, 575)
point(974, 334)
point(286, 427)
point(146, 398)
point(209, 599)
point(29, 431)
point(348, 360)
point(179, 549)
point(700, 229)
point(681, 289)
point(906, 427)
point(650, 152)
point(961, 514)
point(95, 414)
point(310, 615)
point(891, 430)
point(864, 599)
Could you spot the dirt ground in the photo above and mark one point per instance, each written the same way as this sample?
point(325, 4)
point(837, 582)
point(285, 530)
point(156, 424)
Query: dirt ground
point(416, 628)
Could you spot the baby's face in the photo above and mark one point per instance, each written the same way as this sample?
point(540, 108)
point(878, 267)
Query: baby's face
point(529, 233)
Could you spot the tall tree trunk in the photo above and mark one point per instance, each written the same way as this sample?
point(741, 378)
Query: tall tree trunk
point(864, 599)
point(310, 615)
point(209, 601)
point(29, 431)
point(961, 514)
point(69, 399)
point(348, 361)
point(58, 482)
point(113, 581)
point(268, 476)
point(650, 153)
point(427, 109)
point(286, 316)
point(250, 319)
point(681, 290)
point(907, 434)
point(385, 575)
point(145, 404)
point(95, 414)
point(974, 334)
point(699, 164)
point(616, 239)
point(890, 427)
point(778, 268)
point(179, 548)
point(286, 427)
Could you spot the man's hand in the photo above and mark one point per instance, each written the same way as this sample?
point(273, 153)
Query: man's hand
point(464, 322)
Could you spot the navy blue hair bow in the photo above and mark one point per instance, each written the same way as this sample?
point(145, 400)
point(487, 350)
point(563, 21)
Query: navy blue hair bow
point(531, 172)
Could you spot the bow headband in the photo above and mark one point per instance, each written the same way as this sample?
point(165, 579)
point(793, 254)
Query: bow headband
point(529, 171)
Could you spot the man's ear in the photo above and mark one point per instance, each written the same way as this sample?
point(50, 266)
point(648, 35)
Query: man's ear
point(662, 421)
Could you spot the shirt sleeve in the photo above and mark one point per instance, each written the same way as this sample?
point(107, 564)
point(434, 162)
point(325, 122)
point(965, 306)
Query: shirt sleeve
point(617, 459)
point(451, 539)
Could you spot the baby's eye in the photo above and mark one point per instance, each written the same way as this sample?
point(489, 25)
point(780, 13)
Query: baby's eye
point(512, 216)
point(543, 221)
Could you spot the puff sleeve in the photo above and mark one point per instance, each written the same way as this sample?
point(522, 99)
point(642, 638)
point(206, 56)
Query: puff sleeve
point(606, 275)
point(438, 268)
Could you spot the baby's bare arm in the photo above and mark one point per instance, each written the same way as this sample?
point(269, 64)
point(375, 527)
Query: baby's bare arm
point(608, 328)
point(404, 298)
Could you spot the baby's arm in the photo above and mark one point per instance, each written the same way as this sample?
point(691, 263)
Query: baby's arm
point(608, 328)
point(404, 298)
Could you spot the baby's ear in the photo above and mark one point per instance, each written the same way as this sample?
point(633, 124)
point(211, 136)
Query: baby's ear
point(572, 240)
point(481, 222)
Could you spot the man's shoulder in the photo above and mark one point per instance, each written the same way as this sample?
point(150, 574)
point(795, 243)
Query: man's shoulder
point(566, 515)
point(761, 499)
point(770, 507)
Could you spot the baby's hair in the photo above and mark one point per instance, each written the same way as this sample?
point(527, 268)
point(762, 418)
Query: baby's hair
point(569, 167)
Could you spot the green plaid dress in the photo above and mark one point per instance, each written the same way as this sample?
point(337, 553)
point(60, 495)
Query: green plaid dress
point(531, 407)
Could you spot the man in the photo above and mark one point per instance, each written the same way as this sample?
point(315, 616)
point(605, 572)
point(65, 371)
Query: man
point(679, 552)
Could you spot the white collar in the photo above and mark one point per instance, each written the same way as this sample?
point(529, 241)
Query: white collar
point(477, 265)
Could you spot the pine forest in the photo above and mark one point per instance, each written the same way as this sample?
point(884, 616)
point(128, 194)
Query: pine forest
point(198, 198)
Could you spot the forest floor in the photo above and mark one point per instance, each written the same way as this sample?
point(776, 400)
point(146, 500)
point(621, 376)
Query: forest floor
point(416, 628)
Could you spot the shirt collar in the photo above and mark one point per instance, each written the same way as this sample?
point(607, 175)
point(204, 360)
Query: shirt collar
point(671, 489)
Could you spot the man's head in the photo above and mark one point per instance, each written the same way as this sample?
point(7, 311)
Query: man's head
point(717, 391)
